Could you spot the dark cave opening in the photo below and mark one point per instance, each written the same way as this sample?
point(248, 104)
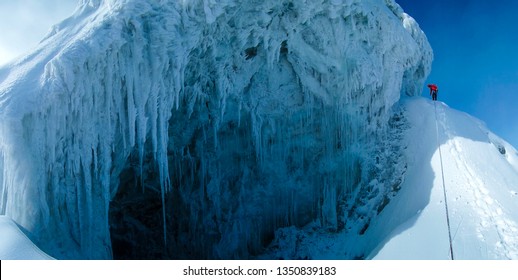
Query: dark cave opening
point(136, 221)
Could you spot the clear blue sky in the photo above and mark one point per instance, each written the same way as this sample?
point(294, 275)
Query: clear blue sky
point(475, 44)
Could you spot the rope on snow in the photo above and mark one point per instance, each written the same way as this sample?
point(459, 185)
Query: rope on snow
point(443, 184)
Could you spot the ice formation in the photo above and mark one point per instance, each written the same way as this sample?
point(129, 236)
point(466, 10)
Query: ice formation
point(242, 117)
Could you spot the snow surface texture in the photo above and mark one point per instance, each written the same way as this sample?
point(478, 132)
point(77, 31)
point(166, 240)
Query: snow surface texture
point(481, 180)
point(244, 117)
point(482, 191)
point(15, 245)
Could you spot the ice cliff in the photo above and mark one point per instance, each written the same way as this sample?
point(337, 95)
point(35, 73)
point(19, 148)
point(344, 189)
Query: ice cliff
point(197, 129)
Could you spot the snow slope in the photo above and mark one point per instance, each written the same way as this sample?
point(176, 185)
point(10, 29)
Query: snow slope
point(15, 245)
point(481, 181)
point(205, 125)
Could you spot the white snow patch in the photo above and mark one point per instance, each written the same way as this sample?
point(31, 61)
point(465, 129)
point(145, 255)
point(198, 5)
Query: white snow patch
point(481, 185)
point(15, 245)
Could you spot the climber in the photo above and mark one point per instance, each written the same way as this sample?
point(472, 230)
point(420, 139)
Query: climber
point(433, 91)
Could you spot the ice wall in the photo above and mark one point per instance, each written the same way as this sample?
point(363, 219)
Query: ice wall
point(244, 116)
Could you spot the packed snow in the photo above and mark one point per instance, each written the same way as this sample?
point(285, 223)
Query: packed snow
point(196, 129)
point(15, 245)
point(480, 175)
point(481, 181)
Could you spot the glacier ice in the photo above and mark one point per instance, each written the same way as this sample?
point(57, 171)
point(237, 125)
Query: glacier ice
point(243, 117)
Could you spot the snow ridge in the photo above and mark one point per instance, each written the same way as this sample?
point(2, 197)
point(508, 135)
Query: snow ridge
point(480, 183)
point(452, 255)
point(233, 107)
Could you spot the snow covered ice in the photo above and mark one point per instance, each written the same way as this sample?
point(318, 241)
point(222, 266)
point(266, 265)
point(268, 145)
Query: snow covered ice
point(15, 245)
point(481, 180)
point(216, 129)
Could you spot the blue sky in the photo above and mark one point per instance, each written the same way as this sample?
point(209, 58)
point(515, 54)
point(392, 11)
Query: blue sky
point(475, 46)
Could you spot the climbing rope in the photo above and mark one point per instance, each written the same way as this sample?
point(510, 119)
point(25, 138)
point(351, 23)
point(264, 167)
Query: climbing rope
point(443, 183)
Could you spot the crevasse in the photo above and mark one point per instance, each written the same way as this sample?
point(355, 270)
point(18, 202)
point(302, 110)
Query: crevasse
point(244, 117)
